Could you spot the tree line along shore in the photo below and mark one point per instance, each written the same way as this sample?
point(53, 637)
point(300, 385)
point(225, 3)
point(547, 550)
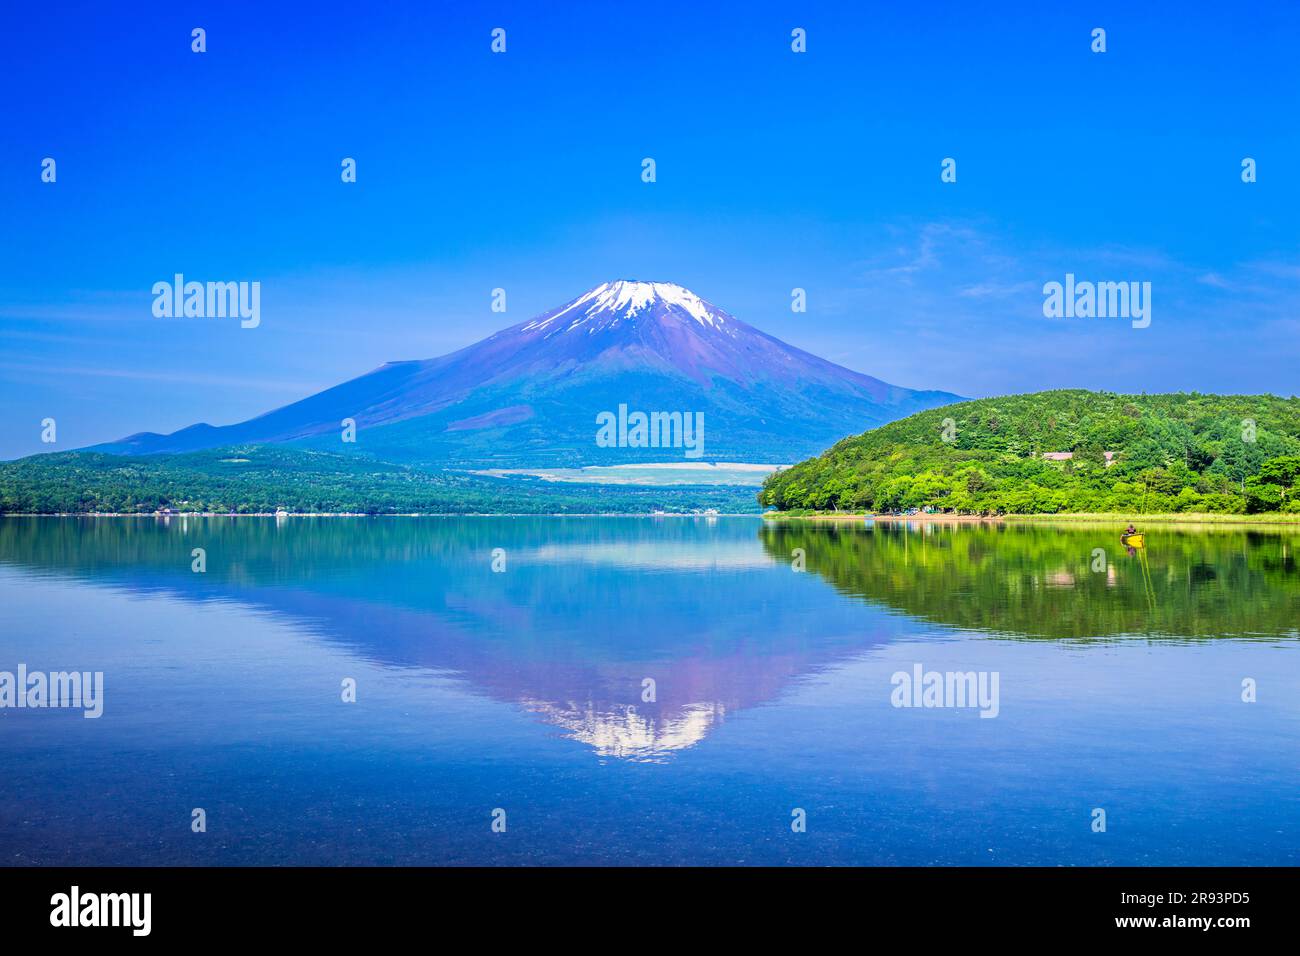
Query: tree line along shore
point(1062, 452)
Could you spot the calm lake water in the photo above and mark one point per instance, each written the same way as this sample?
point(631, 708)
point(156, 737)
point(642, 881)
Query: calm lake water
point(1120, 685)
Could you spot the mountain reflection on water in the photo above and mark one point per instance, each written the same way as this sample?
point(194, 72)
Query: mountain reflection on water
point(639, 637)
point(586, 611)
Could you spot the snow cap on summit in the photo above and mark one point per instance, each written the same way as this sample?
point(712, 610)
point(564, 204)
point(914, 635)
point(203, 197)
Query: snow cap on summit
point(625, 298)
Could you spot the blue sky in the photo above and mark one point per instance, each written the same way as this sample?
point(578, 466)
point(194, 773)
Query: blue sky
point(522, 171)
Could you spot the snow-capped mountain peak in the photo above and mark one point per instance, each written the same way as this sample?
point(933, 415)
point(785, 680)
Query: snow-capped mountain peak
point(611, 301)
point(529, 395)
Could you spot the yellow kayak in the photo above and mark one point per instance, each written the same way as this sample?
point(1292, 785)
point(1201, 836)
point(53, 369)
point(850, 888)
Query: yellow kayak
point(1133, 540)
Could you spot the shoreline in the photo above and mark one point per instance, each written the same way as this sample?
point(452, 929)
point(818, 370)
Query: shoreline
point(404, 514)
point(1176, 518)
point(1189, 518)
point(890, 519)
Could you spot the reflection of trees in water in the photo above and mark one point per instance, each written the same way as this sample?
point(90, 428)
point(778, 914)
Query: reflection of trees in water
point(1039, 581)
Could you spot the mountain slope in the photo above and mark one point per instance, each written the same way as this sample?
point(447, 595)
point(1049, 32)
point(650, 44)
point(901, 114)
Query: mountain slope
point(1179, 452)
point(530, 395)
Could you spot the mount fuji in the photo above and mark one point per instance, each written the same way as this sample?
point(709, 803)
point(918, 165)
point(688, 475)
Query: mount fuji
point(530, 395)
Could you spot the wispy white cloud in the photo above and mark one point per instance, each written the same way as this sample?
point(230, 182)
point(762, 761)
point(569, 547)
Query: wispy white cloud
point(1287, 271)
point(55, 372)
point(996, 290)
point(959, 306)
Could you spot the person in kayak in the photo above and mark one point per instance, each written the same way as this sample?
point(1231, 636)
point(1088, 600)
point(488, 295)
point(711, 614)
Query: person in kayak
point(1130, 530)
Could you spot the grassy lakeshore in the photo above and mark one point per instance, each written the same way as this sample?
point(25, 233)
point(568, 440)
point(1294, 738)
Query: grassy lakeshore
point(1182, 518)
point(1178, 518)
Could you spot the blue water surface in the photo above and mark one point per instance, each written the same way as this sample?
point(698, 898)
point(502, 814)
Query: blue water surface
point(522, 690)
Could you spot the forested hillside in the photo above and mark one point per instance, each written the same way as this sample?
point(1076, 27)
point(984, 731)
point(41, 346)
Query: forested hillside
point(1171, 453)
point(264, 478)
